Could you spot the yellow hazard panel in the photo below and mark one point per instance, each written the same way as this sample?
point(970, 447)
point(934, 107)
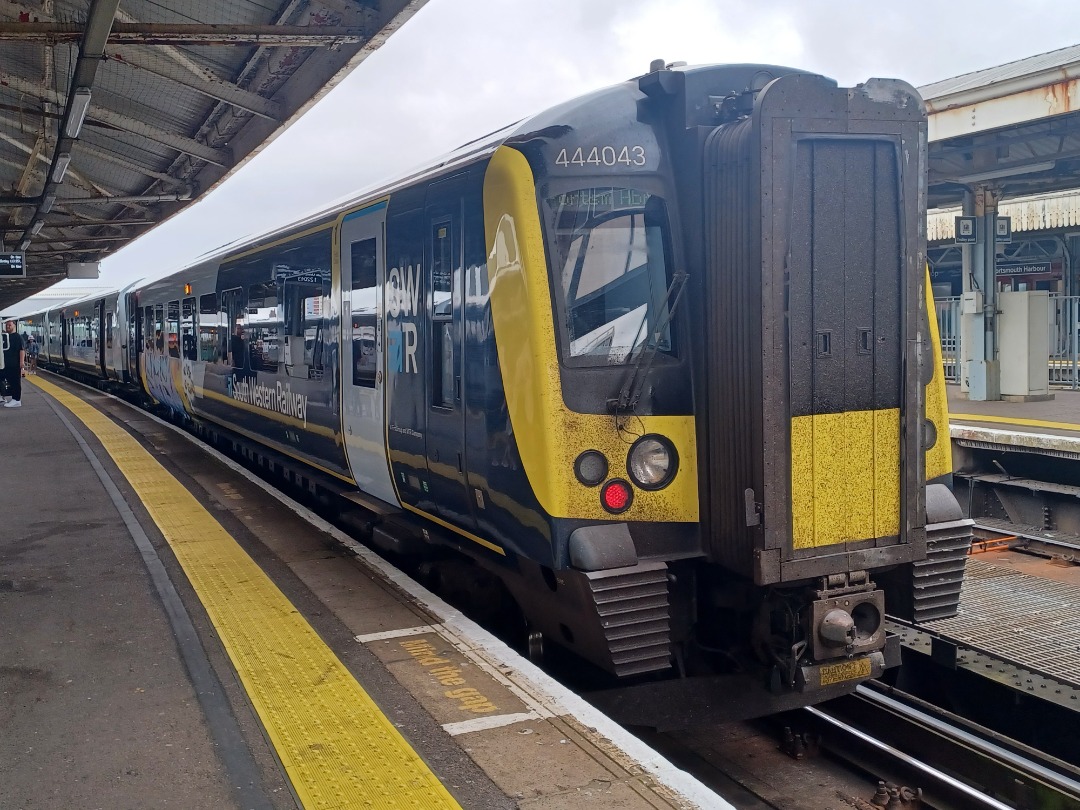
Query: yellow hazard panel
point(845, 477)
point(338, 749)
point(938, 457)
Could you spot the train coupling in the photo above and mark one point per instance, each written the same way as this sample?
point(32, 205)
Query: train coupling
point(846, 620)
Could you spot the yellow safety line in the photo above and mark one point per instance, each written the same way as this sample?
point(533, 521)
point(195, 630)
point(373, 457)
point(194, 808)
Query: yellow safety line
point(1012, 420)
point(338, 749)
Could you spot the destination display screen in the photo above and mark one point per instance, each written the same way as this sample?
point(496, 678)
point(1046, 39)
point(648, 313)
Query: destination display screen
point(12, 265)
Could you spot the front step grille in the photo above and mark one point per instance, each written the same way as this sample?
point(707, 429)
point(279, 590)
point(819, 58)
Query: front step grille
point(930, 589)
point(936, 580)
point(634, 612)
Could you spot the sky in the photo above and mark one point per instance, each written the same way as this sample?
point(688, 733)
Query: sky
point(462, 68)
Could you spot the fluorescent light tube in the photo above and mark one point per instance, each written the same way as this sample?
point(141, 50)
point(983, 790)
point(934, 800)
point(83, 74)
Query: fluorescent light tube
point(78, 105)
point(59, 168)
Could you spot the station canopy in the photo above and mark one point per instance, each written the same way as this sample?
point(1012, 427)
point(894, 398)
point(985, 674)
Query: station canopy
point(1013, 127)
point(113, 119)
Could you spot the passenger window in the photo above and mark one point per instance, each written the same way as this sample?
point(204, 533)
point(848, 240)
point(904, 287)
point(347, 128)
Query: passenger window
point(187, 330)
point(283, 322)
point(159, 328)
point(234, 344)
point(443, 268)
point(365, 311)
point(172, 329)
point(210, 329)
point(264, 327)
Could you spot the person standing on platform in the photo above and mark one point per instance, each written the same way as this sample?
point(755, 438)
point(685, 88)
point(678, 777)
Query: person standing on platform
point(32, 352)
point(14, 370)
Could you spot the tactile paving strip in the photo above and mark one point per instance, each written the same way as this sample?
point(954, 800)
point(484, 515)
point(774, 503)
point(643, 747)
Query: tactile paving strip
point(337, 747)
point(1029, 621)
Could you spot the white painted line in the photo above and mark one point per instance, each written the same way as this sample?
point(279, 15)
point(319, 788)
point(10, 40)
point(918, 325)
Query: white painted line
point(367, 638)
point(532, 684)
point(485, 723)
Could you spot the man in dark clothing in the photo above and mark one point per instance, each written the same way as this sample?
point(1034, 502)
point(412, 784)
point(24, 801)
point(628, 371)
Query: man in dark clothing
point(14, 358)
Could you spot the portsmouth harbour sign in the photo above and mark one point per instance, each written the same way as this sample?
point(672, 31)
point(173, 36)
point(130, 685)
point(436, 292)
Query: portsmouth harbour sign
point(1023, 268)
point(278, 398)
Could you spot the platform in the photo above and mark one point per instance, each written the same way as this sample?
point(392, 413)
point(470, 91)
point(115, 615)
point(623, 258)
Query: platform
point(175, 634)
point(1056, 417)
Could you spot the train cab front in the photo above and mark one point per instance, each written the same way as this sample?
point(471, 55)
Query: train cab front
point(707, 294)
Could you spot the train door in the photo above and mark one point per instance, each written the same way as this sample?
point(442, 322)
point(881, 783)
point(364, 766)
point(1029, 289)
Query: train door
point(106, 318)
point(363, 271)
point(135, 332)
point(445, 413)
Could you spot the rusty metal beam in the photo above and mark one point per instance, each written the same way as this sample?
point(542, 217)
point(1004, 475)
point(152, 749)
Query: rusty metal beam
point(970, 114)
point(55, 33)
point(126, 123)
point(216, 89)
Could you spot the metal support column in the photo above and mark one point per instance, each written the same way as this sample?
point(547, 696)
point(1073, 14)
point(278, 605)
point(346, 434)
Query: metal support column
point(984, 370)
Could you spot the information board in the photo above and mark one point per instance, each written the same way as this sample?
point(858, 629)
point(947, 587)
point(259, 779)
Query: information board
point(12, 265)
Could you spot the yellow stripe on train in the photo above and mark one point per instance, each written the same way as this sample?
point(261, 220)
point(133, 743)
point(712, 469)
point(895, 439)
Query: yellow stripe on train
point(845, 477)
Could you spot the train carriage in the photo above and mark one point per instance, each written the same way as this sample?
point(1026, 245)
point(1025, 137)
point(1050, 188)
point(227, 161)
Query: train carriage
point(656, 359)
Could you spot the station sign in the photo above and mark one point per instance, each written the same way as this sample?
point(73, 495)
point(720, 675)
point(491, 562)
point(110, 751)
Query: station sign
point(1023, 268)
point(966, 230)
point(1003, 230)
point(13, 265)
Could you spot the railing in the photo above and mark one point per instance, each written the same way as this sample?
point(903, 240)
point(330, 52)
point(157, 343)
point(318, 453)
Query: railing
point(1064, 340)
point(1064, 326)
point(948, 315)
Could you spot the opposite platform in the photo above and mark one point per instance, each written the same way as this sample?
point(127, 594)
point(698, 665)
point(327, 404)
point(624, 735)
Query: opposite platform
point(1051, 426)
point(427, 710)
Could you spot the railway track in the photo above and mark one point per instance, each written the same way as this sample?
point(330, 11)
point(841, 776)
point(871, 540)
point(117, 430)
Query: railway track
point(954, 763)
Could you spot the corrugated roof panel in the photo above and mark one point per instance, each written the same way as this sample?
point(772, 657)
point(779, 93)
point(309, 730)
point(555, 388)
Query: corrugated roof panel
point(186, 91)
point(1001, 73)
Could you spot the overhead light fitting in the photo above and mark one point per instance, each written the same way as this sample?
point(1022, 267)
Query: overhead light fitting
point(59, 168)
point(79, 103)
point(47, 203)
point(35, 229)
point(24, 244)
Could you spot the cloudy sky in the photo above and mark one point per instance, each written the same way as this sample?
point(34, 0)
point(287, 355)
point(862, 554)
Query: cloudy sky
point(462, 68)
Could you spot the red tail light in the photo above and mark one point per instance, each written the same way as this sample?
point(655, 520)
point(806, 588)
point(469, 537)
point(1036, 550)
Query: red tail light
point(616, 496)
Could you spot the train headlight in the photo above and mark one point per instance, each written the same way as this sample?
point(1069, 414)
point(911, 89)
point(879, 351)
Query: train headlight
point(652, 462)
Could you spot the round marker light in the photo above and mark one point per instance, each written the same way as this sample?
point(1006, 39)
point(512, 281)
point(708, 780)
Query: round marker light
point(591, 468)
point(652, 462)
point(616, 496)
point(929, 433)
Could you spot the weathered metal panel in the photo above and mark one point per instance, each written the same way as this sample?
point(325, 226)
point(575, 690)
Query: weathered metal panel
point(1056, 98)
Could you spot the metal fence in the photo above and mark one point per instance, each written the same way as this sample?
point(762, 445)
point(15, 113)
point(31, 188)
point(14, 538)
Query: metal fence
point(1064, 326)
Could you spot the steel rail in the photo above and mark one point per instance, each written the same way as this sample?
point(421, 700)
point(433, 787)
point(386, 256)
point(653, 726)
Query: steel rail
point(972, 756)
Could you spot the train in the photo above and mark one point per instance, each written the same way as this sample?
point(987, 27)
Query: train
point(657, 362)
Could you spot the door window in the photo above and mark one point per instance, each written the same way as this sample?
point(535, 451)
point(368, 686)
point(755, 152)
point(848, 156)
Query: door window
point(443, 268)
point(365, 312)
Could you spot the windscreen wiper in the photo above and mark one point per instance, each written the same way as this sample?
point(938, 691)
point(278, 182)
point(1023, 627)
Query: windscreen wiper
point(634, 382)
